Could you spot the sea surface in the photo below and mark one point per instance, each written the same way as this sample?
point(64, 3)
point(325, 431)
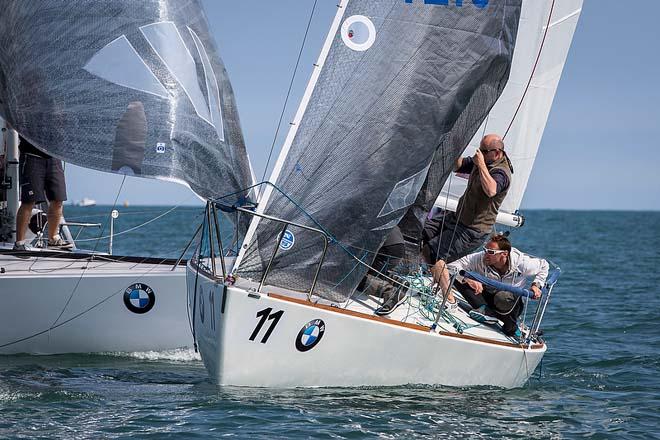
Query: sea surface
point(599, 379)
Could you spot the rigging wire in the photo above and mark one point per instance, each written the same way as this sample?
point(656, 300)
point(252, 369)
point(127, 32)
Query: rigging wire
point(288, 93)
point(87, 262)
point(97, 239)
point(531, 75)
point(82, 274)
point(83, 312)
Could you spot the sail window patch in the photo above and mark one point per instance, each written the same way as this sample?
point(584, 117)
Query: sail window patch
point(404, 193)
point(358, 32)
point(211, 87)
point(119, 63)
point(166, 41)
point(388, 225)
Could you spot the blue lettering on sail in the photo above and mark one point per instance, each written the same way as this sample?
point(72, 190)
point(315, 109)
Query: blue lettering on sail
point(477, 3)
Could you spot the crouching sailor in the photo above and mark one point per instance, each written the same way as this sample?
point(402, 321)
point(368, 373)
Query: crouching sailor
point(500, 262)
point(389, 256)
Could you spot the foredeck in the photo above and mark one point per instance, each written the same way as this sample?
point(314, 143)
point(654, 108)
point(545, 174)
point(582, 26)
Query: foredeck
point(66, 263)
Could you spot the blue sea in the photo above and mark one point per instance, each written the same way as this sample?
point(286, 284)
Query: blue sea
point(599, 379)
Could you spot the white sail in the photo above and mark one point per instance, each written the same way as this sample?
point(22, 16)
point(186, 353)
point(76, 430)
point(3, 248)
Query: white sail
point(544, 37)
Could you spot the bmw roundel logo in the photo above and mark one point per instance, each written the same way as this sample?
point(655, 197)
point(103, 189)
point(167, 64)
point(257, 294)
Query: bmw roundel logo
point(139, 298)
point(310, 335)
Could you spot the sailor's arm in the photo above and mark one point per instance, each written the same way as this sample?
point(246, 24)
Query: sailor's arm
point(537, 268)
point(459, 164)
point(470, 263)
point(488, 183)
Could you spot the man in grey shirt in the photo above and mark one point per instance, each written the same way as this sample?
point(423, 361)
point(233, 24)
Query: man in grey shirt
point(501, 262)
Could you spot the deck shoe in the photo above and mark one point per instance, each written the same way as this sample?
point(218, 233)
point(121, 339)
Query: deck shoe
point(451, 307)
point(517, 334)
point(58, 243)
point(394, 300)
point(479, 315)
point(21, 247)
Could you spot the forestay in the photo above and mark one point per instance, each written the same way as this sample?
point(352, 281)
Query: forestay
point(400, 88)
point(123, 86)
point(544, 37)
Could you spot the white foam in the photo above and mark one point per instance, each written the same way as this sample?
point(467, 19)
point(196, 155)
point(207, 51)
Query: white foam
point(177, 354)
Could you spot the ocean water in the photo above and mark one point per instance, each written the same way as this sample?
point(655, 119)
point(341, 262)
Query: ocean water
point(599, 379)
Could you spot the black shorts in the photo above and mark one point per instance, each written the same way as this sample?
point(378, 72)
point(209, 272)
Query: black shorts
point(452, 240)
point(41, 179)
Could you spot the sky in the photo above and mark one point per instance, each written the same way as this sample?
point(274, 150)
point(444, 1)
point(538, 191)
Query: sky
point(599, 149)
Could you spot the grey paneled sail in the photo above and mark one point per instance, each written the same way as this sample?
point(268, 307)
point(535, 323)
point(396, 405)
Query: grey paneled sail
point(403, 88)
point(125, 86)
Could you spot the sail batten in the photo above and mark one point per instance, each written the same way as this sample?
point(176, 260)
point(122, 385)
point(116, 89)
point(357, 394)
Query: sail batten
point(126, 87)
point(402, 90)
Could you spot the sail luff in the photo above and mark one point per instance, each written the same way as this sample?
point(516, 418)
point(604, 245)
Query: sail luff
point(295, 124)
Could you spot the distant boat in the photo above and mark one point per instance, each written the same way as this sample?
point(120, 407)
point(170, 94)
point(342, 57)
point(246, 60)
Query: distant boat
point(86, 202)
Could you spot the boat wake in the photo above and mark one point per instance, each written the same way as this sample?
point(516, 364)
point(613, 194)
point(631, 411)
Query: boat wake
point(177, 354)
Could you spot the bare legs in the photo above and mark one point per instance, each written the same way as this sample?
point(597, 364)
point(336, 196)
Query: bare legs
point(54, 218)
point(25, 212)
point(23, 220)
point(441, 276)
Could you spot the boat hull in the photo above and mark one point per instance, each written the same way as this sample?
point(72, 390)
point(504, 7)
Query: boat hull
point(252, 339)
point(53, 306)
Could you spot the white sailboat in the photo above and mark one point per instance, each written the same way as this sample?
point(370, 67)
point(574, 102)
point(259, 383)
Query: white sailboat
point(85, 202)
point(396, 78)
point(140, 92)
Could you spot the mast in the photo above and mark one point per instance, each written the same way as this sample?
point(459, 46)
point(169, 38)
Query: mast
point(10, 140)
point(268, 191)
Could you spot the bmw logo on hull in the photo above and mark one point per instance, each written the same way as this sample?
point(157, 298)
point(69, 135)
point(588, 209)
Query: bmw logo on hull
point(310, 335)
point(139, 298)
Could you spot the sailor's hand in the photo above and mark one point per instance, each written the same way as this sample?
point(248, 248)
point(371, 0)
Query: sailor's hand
point(536, 290)
point(478, 159)
point(475, 285)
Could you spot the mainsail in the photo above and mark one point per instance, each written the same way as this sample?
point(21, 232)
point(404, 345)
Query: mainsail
point(133, 87)
point(544, 37)
point(400, 89)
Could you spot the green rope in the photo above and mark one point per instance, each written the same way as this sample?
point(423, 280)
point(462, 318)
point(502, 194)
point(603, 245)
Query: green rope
point(429, 303)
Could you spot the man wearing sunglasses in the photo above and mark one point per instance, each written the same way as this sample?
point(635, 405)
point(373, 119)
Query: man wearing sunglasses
point(448, 236)
point(499, 261)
